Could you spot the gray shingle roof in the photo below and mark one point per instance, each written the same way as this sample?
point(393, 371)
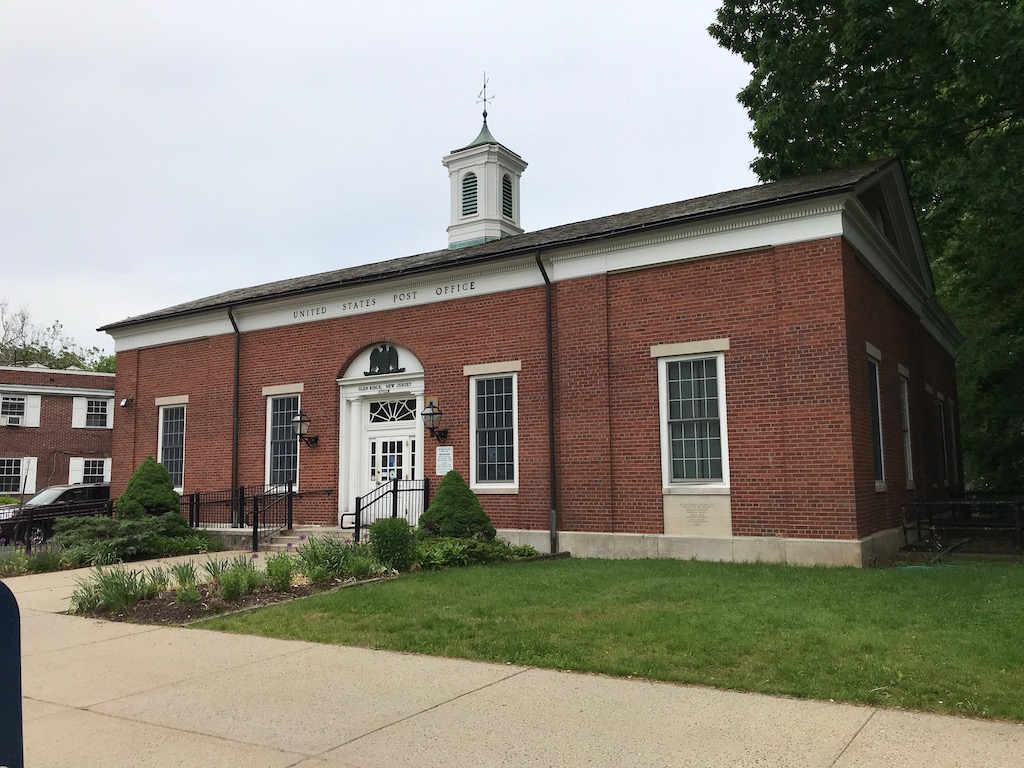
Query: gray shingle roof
point(723, 203)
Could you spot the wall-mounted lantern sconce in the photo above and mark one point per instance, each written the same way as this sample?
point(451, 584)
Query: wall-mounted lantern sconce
point(432, 421)
point(300, 428)
point(126, 402)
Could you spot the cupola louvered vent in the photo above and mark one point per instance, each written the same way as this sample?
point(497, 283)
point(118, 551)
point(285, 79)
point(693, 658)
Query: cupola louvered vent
point(506, 196)
point(469, 194)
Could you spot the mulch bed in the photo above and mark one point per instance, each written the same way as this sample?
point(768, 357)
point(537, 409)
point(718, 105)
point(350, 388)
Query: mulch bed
point(165, 609)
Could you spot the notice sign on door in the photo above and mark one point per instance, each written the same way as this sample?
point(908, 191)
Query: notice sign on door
point(444, 460)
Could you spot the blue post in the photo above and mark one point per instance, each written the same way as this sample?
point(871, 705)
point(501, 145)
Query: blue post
point(12, 751)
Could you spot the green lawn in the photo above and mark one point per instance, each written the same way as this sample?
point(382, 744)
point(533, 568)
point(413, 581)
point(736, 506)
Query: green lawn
point(940, 639)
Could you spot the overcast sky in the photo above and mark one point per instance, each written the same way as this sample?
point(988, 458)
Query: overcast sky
point(156, 152)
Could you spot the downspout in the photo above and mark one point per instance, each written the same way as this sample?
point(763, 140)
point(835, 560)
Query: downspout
point(552, 478)
point(234, 400)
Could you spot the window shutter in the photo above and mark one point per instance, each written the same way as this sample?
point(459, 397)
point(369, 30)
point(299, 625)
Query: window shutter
point(106, 470)
point(110, 413)
point(28, 470)
point(32, 411)
point(76, 469)
point(78, 409)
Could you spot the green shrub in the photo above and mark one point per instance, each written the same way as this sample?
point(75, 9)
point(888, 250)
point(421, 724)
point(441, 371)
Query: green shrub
point(149, 491)
point(393, 543)
point(280, 568)
point(174, 525)
point(435, 554)
point(119, 588)
point(48, 557)
point(100, 540)
point(159, 580)
point(86, 596)
point(188, 595)
point(232, 584)
point(456, 512)
point(13, 561)
point(524, 550)
point(9, 500)
point(185, 574)
point(324, 560)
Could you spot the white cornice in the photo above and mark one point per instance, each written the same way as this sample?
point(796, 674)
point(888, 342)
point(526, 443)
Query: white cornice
point(41, 389)
point(331, 304)
point(792, 224)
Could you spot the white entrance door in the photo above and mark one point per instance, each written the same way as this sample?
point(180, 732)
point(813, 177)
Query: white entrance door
point(389, 456)
point(392, 457)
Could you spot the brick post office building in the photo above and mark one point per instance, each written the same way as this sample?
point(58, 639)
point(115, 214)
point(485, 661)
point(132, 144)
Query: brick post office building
point(758, 374)
point(55, 428)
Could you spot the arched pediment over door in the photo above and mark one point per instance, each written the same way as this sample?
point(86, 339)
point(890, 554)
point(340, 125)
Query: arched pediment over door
point(381, 432)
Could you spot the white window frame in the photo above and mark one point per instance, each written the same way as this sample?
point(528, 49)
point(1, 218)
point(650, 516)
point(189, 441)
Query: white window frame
point(954, 465)
point(30, 410)
point(76, 469)
point(26, 475)
point(505, 370)
point(80, 412)
point(688, 351)
point(162, 405)
point(908, 442)
point(272, 394)
point(875, 381)
point(943, 438)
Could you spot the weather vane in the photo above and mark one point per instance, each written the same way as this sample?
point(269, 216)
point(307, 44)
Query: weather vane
point(483, 97)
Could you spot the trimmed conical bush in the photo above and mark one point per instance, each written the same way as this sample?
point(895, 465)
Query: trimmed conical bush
point(456, 512)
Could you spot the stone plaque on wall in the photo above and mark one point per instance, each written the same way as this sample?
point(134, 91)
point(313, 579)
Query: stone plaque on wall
point(698, 515)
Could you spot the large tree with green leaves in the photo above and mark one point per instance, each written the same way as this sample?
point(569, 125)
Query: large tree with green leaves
point(940, 84)
point(23, 343)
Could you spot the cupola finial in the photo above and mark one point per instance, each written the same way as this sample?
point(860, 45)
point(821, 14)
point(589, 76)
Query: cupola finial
point(482, 97)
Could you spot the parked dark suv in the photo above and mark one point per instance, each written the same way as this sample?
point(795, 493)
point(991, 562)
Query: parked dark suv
point(38, 513)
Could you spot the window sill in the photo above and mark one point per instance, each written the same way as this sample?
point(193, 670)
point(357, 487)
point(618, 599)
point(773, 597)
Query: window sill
point(880, 487)
point(494, 490)
point(695, 490)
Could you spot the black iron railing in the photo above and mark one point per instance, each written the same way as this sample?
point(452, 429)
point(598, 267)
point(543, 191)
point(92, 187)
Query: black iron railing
point(34, 524)
point(265, 509)
point(396, 498)
point(929, 520)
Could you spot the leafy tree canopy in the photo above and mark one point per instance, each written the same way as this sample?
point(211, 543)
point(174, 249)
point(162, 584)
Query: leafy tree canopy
point(938, 84)
point(22, 343)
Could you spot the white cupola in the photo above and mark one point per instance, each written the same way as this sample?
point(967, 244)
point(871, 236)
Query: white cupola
point(485, 191)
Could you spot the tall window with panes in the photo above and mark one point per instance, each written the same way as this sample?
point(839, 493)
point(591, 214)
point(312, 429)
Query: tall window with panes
point(12, 409)
point(172, 442)
point(10, 475)
point(96, 413)
point(283, 451)
point(694, 420)
point(92, 471)
point(495, 437)
point(875, 408)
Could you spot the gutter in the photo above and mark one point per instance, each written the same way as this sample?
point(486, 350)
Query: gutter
point(552, 477)
point(234, 402)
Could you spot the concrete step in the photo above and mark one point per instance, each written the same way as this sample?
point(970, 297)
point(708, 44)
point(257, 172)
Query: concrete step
point(290, 540)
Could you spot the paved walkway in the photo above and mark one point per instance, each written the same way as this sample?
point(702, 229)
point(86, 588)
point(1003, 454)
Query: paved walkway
point(107, 694)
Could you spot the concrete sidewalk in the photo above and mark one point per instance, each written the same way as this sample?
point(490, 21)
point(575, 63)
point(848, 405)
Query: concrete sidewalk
point(108, 694)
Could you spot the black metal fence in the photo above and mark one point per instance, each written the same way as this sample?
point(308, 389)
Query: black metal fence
point(33, 525)
point(396, 498)
point(932, 520)
point(265, 509)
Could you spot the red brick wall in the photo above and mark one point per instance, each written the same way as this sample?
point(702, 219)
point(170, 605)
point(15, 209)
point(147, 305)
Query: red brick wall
point(876, 317)
point(797, 427)
point(788, 426)
point(54, 441)
point(444, 337)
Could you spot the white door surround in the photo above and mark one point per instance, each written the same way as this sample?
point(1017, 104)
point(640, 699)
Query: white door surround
point(376, 393)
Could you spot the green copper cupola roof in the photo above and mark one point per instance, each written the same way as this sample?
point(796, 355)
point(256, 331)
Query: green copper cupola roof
point(484, 137)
